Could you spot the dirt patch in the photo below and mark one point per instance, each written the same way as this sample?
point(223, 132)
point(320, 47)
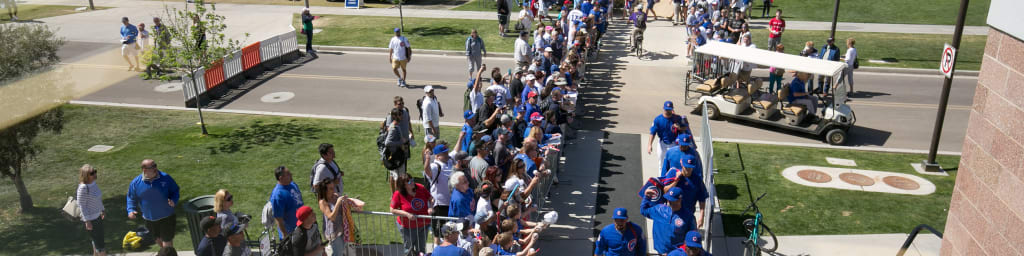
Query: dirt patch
point(847, 213)
point(787, 208)
point(321, 21)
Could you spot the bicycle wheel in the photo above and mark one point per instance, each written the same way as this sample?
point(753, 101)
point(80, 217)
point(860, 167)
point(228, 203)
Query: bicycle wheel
point(767, 243)
point(750, 249)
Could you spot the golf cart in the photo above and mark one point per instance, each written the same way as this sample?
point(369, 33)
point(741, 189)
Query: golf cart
point(713, 77)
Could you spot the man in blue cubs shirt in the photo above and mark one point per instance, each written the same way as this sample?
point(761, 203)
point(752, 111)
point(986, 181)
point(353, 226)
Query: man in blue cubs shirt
point(624, 238)
point(153, 195)
point(685, 153)
point(692, 246)
point(666, 126)
point(285, 199)
point(692, 192)
point(670, 222)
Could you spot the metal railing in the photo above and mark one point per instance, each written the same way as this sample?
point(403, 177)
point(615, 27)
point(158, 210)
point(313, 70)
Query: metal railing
point(380, 234)
point(913, 235)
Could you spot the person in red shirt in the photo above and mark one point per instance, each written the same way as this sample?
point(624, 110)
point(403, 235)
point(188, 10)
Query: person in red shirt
point(775, 28)
point(406, 203)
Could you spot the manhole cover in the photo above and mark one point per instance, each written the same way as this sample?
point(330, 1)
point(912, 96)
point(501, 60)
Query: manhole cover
point(276, 97)
point(168, 87)
point(814, 176)
point(901, 183)
point(856, 179)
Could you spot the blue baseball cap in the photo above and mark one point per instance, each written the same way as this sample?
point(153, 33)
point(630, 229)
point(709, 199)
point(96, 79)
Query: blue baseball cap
point(674, 194)
point(469, 84)
point(693, 239)
point(554, 68)
point(685, 140)
point(668, 105)
point(689, 161)
point(440, 149)
point(398, 29)
point(468, 114)
point(619, 214)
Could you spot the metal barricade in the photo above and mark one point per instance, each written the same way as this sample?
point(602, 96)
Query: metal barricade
point(233, 65)
point(270, 49)
point(289, 42)
point(707, 154)
point(191, 92)
point(379, 233)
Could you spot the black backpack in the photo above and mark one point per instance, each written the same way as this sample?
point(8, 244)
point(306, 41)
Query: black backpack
point(312, 173)
point(419, 107)
point(285, 246)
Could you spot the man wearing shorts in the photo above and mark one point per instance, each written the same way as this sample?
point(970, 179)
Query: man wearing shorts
point(129, 49)
point(400, 55)
point(408, 137)
point(153, 194)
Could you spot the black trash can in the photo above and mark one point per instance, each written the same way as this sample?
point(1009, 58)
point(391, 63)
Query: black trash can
point(195, 210)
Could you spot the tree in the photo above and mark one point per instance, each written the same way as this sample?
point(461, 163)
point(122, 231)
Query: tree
point(17, 147)
point(28, 50)
point(196, 40)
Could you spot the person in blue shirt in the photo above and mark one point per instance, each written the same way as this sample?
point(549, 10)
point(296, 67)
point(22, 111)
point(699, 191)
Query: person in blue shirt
point(128, 35)
point(586, 7)
point(285, 199)
point(692, 246)
point(462, 203)
point(670, 224)
point(829, 52)
point(798, 93)
point(153, 195)
point(451, 231)
point(692, 192)
point(684, 154)
point(666, 127)
point(624, 238)
point(466, 135)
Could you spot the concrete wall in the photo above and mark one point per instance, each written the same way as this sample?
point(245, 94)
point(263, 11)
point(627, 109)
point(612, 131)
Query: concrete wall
point(986, 214)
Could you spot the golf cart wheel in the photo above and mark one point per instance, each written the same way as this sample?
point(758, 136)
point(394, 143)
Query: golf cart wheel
point(713, 112)
point(836, 136)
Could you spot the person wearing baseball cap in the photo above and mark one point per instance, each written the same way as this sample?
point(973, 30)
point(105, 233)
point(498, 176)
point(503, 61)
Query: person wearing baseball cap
point(400, 55)
point(213, 242)
point(692, 246)
point(666, 127)
point(450, 232)
point(236, 241)
point(531, 104)
point(431, 112)
point(624, 238)
point(437, 173)
point(466, 135)
point(670, 223)
point(684, 154)
point(306, 237)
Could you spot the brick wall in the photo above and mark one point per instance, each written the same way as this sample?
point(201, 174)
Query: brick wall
point(986, 214)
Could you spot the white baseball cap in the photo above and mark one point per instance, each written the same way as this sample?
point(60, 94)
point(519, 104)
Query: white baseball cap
point(428, 88)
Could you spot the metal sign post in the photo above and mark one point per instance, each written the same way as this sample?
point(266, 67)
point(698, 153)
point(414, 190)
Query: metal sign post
point(930, 164)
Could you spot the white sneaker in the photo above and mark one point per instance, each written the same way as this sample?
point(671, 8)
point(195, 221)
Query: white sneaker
point(399, 82)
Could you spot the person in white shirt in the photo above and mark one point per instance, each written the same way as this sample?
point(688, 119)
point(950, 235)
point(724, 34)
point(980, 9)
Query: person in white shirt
point(437, 174)
point(431, 113)
point(498, 85)
point(523, 55)
point(401, 53)
point(850, 58)
point(526, 17)
point(90, 201)
point(746, 67)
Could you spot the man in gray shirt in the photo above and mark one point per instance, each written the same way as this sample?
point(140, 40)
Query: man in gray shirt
point(475, 51)
point(479, 163)
point(408, 137)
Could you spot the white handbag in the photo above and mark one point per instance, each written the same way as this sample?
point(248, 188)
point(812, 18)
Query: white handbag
point(72, 209)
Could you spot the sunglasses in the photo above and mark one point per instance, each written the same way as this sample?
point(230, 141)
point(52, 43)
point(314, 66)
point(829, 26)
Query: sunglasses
point(229, 198)
point(410, 182)
point(92, 173)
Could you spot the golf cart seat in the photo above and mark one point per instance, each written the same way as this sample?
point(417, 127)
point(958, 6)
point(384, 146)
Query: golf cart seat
point(765, 105)
point(794, 113)
point(713, 85)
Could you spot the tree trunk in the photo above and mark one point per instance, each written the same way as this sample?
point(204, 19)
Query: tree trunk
point(23, 196)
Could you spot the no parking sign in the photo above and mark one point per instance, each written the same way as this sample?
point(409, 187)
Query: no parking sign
point(946, 64)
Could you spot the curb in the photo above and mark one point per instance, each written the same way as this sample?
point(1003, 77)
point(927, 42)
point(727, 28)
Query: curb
point(328, 48)
point(916, 71)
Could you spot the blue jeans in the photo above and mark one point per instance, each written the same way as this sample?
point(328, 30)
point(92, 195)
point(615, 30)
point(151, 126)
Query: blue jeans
point(414, 240)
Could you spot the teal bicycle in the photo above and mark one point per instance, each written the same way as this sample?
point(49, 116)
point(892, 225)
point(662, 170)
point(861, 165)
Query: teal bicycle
point(757, 242)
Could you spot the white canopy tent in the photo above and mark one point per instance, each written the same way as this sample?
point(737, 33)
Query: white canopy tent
point(772, 59)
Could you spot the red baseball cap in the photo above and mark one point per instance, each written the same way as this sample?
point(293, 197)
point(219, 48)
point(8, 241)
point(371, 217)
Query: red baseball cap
point(302, 213)
point(531, 95)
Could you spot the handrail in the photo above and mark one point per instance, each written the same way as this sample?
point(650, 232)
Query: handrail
point(913, 235)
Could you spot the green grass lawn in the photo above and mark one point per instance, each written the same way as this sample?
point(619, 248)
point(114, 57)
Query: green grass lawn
point(423, 33)
point(908, 50)
point(27, 12)
point(794, 209)
point(239, 155)
point(339, 3)
point(479, 5)
point(880, 11)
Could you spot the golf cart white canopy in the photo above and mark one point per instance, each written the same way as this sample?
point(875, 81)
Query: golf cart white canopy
point(772, 59)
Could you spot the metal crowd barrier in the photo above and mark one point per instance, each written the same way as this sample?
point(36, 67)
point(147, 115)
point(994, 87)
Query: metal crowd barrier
point(379, 234)
point(707, 154)
point(191, 92)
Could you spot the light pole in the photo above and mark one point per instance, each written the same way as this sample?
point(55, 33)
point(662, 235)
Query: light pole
point(930, 164)
point(835, 17)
